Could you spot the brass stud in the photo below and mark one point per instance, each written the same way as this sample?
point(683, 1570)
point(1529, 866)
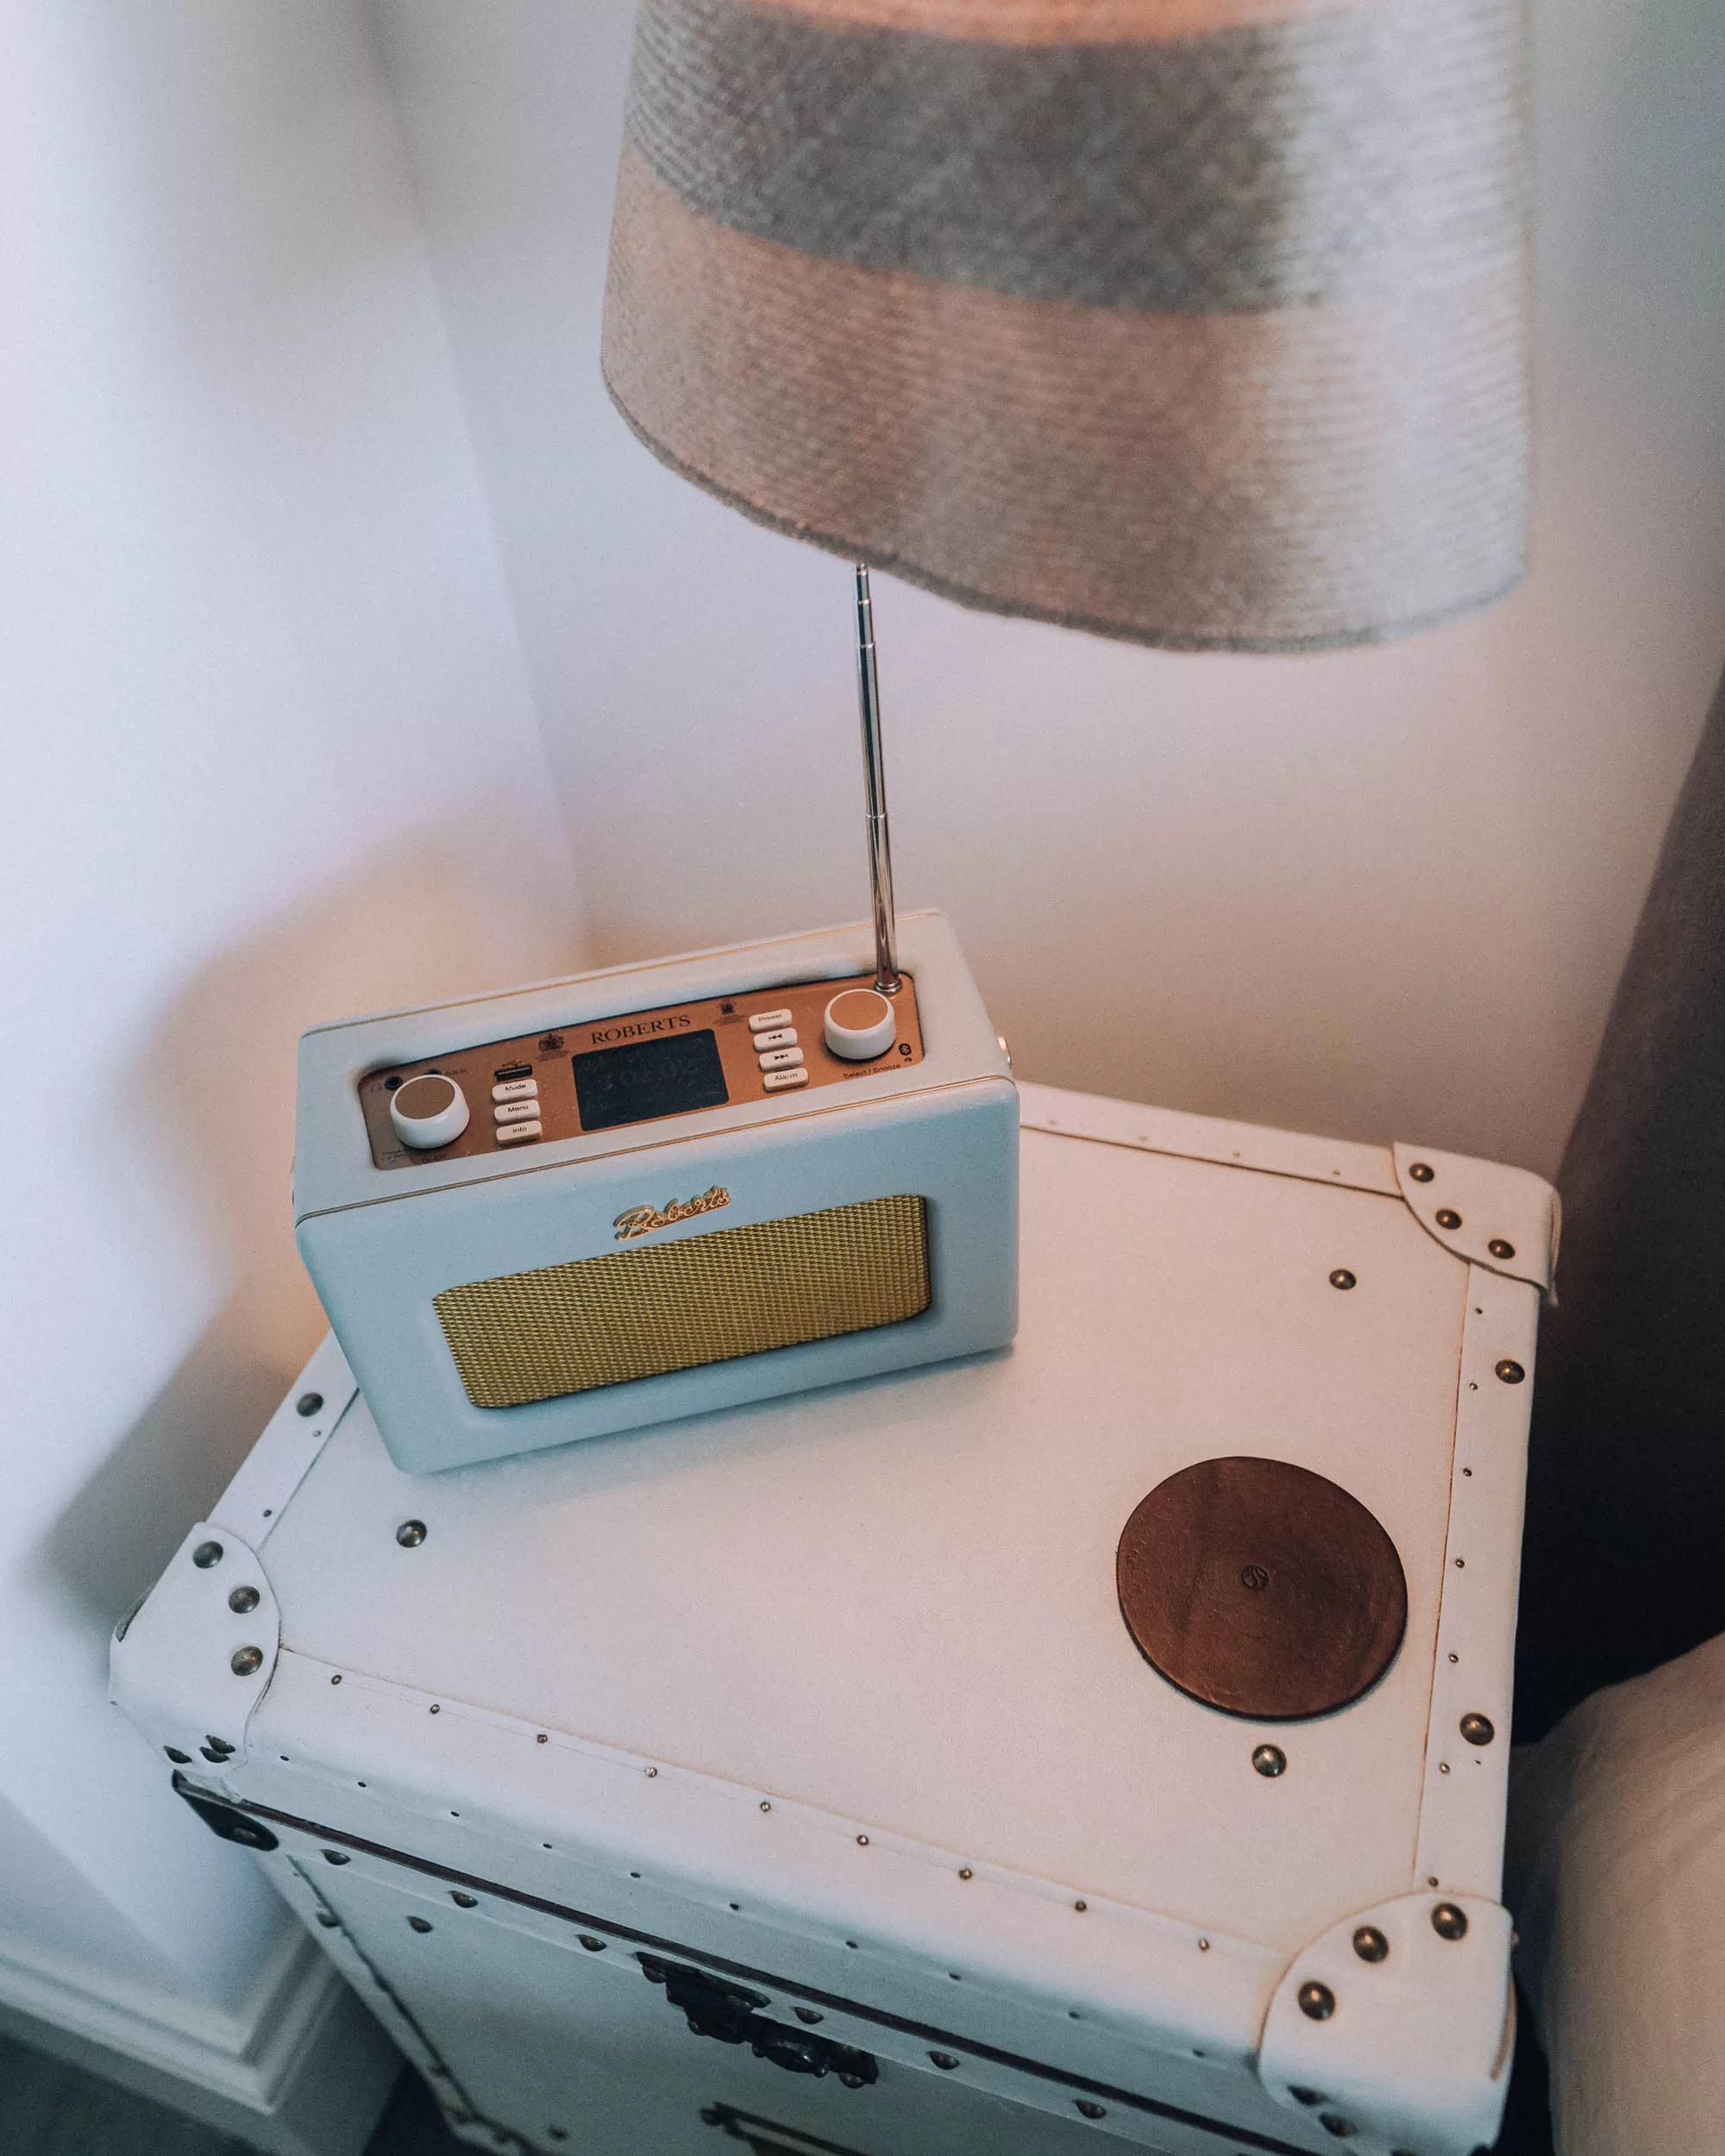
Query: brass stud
point(464, 1900)
point(336, 1856)
point(1511, 1373)
point(308, 1403)
point(1333, 2122)
point(593, 1946)
point(411, 1534)
point(179, 1758)
point(1092, 2110)
point(965, 1872)
point(1448, 1921)
point(861, 1841)
point(206, 1554)
point(1370, 1944)
point(246, 1661)
point(1317, 2001)
point(243, 1601)
point(328, 1919)
point(1477, 1729)
point(765, 1806)
point(806, 2014)
point(1447, 1216)
point(945, 2060)
point(1269, 1760)
point(1499, 1248)
point(418, 1924)
point(1342, 1278)
point(1421, 1173)
point(1310, 2098)
point(1081, 1907)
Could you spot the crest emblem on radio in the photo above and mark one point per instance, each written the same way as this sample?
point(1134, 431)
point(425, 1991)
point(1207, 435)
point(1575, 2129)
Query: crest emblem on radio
point(643, 1220)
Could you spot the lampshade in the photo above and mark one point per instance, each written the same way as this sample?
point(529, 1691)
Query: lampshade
point(1200, 323)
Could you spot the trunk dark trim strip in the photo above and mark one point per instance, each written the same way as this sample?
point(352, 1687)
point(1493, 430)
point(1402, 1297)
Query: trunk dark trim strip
point(1242, 2137)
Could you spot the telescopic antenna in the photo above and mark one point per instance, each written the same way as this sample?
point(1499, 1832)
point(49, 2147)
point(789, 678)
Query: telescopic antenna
point(875, 778)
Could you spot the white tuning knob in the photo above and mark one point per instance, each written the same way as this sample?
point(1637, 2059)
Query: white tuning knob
point(859, 1024)
point(428, 1111)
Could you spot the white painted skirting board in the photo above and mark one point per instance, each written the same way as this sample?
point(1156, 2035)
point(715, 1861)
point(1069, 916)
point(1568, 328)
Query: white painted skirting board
point(302, 2070)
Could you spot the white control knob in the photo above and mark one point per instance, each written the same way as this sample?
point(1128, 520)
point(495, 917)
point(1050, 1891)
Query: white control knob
point(859, 1024)
point(428, 1111)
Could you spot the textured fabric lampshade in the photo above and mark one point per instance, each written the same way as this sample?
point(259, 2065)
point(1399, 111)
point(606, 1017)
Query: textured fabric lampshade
point(1196, 321)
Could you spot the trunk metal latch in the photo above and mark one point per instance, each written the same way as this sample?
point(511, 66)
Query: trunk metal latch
point(732, 2016)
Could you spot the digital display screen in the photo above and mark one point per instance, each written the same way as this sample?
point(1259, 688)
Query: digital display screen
point(644, 1078)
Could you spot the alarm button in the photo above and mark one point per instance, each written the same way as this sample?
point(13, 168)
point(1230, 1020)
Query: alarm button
point(428, 1111)
point(859, 1024)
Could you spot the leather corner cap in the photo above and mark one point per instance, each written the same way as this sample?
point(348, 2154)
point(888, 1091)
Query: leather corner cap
point(1505, 1218)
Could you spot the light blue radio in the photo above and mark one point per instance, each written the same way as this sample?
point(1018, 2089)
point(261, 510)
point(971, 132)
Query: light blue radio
point(643, 1194)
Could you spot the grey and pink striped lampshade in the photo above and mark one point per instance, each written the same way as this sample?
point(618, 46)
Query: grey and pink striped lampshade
point(1201, 323)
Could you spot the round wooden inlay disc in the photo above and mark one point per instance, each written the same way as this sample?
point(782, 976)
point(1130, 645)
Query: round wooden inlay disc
point(1261, 1588)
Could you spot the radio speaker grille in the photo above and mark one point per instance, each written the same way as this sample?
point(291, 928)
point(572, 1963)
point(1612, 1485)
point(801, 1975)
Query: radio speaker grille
point(710, 1298)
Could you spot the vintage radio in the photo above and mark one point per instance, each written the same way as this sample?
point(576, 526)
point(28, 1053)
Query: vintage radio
point(649, 1192)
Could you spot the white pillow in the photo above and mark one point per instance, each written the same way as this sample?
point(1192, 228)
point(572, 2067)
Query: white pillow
point(1616, 1875)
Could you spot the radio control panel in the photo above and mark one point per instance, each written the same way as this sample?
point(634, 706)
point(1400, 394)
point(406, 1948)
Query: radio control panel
point(637, 1068)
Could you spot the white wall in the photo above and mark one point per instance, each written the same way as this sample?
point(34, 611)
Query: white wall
point(1376, 893)
point(271, 757)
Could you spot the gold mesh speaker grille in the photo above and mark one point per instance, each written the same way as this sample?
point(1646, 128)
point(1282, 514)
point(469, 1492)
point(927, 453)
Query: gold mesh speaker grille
point(708, 1299)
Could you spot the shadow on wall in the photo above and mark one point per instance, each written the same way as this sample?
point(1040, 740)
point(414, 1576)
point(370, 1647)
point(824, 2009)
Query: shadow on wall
point(208, 1112)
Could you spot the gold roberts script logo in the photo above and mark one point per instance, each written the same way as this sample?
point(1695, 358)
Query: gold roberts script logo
point(643, 1220)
